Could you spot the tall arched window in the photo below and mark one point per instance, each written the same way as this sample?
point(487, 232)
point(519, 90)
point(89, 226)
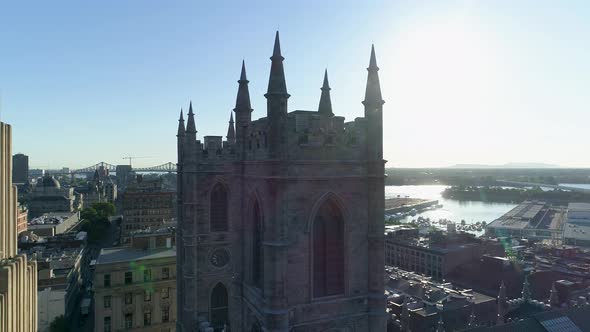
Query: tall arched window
point(218, 212)
point(328, 251)
point(257, 249)
point(219, 307)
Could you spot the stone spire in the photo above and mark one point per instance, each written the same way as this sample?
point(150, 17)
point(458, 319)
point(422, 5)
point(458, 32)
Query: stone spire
point(181, 128)
point(373, 89)
point(553, 296)
point(243, 98)
point(526, 292)
point(440, 326)
point(325, 107)
point(190, 127)
point(243, 111)
point(276, 82)
point(276, 105)
point(231, 134)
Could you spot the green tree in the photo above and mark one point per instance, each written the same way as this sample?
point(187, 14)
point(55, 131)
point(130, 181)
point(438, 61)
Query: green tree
point(104, 209)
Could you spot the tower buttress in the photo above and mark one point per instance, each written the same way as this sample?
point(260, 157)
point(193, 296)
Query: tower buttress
point(180, 211)
point(276, 104)
point(375, 196)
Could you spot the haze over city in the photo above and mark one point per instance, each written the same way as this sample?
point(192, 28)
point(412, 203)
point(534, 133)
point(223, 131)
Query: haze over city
point(465, 82)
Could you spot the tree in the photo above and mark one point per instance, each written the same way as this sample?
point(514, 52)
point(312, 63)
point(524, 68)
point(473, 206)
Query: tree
point(59, 324)
point(104, 209)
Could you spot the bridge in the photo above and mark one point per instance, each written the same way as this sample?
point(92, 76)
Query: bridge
point(163, 168)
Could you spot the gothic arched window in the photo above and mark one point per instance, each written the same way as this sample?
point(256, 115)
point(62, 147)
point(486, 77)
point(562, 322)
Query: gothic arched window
point(219, 307)
point(257, 249)
point(328, 251)
point(218, 212)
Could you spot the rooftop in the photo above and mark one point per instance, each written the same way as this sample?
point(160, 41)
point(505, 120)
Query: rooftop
point(531, 215)
point(120, 254)
point(426, 296)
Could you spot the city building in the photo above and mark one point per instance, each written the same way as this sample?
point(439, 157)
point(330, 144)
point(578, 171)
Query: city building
point(531, 220)
point(20, 168)
point(280, 227)
point(50, 224)
point(18, 274)
point(436, 254)
point(135, 287)
point(48, 196)
point(577, 228)
point(570, 320)
point(100, 189)
point(22, 218)
point(418, 303)
point(124, 175)
point(60, 272)
point(146, 204)
point(36, 173)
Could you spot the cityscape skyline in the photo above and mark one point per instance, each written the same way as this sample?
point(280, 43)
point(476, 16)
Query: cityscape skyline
point(448, 71)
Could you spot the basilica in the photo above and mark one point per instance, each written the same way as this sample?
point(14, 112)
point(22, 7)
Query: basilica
point(280, 224)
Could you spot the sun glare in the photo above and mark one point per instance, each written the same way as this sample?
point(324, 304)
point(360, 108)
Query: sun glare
point(443, 76)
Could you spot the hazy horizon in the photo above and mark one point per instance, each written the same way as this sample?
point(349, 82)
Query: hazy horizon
point(465, 82)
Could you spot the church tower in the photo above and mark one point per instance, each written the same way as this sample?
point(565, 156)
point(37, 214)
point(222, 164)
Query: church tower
point(283, 229)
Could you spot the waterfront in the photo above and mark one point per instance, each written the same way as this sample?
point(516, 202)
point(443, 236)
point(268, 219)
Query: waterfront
point(470, 211)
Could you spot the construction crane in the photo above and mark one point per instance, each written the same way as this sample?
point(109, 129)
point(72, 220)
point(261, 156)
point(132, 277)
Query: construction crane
point(133, 157)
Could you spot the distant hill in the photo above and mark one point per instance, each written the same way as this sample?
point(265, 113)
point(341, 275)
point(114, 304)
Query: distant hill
point(508, 165)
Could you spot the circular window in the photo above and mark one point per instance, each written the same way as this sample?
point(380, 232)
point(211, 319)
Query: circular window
point(219, 257)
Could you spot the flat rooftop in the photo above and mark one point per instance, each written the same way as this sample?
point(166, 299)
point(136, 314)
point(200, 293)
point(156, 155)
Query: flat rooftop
point(577, 231)
point(121, 254)
point(423, 291)
point(531, 215)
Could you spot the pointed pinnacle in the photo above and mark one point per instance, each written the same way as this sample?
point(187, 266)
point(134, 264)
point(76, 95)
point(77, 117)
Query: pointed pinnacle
point(190, 108)
point(181, 129)
point(373, 61)
point(191, 127)
point(243, 97)
point(243, 73)
point(326, 85)
point(276, 52)
point(231, 117)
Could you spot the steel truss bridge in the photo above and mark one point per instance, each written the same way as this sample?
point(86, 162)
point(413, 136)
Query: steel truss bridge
point(164, 168)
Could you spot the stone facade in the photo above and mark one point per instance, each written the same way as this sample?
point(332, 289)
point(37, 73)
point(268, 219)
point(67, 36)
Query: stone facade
point(146, 209)
point(135, 289)
point(281, 226)
point(18, 275)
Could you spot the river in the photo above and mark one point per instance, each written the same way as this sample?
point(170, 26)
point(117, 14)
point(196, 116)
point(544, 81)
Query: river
point(470, 211)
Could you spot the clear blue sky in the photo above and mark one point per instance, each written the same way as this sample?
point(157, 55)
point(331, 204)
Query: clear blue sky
point(464, 81)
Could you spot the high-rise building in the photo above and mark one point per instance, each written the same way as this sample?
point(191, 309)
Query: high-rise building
point(18, 275)
point(281, 226)
point(20, 168)
point(146, 205)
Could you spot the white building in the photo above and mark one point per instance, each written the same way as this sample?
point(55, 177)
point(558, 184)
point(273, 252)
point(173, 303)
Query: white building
point(577, 229)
